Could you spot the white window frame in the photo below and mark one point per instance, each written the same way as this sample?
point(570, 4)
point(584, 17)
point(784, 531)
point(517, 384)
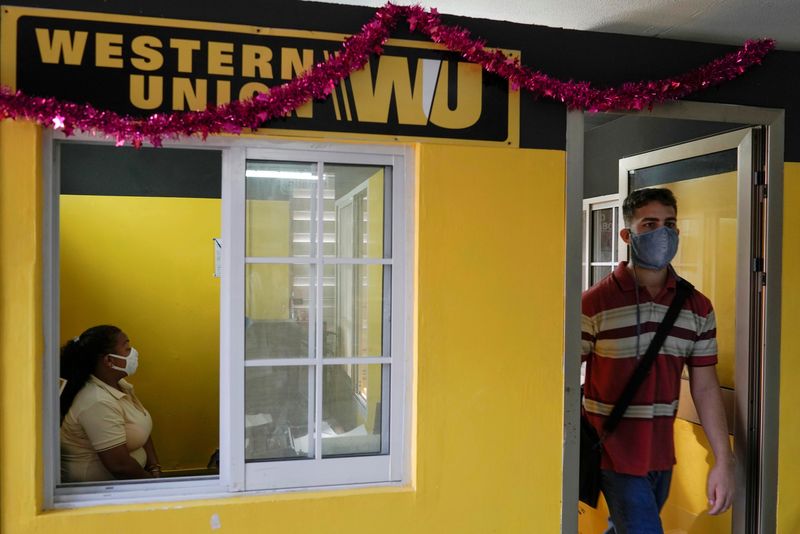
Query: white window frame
point(590, 205)
point(236, 477)
point(318, 471)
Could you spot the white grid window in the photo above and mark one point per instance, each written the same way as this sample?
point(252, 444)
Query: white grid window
point(601, 225)
point(315, 323)
point(317, 250)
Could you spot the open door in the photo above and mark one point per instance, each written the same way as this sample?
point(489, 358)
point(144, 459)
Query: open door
point(719, 184)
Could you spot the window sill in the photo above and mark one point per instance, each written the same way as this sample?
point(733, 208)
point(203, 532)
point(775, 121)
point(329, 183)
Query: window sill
point(198, 489)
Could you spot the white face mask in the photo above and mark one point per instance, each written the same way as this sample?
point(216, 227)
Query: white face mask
point(131, 362)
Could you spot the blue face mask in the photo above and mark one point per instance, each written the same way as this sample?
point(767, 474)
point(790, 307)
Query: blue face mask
point(654, 249)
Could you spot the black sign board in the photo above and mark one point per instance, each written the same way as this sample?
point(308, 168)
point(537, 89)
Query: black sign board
point(138, 66)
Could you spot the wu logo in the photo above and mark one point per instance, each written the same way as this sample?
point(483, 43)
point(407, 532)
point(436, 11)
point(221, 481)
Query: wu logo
point(426, 97)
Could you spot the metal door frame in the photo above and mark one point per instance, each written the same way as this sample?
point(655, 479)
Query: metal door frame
point(773, 122)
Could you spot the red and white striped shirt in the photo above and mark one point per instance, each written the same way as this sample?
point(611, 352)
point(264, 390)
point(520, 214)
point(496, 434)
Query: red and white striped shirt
point(643, 441)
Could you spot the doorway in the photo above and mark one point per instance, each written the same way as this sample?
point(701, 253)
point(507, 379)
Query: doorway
point(730, 237)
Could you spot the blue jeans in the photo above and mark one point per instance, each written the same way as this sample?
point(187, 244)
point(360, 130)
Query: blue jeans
point(635, 502)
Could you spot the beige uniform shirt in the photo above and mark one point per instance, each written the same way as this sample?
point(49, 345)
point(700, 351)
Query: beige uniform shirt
point(101, 417)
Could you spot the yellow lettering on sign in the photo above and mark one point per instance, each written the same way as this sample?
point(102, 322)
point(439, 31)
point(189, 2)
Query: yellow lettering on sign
point(256, 58)
point(147, 48)
point(292, 65)
point(468, 94)
point(62, 43)
point(249, 89)
point(185, 47)
point(152, 97)
point(223, 92)
point(108, 50)
point(183, 92)
point(372, 103)
point(220, 58)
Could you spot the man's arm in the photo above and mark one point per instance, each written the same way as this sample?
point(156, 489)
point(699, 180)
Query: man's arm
point(708, 401)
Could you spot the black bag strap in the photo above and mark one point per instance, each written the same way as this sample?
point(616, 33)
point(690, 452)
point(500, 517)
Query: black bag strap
point(683, 290)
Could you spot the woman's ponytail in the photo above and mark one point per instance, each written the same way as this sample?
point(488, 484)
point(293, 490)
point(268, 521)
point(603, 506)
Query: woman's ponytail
point(79, 358)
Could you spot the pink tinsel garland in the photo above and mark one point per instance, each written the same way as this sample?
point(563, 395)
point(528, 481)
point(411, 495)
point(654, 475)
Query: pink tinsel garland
point(318, 83)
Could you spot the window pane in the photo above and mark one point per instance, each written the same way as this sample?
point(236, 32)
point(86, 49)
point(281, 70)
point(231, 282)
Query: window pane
point(352, 409)
point(598, 272)
point(281, 209)
point(277, 417)
point(673, 172)
point(356, 200)
point(354, 308)
point(143, 222)
point(603, 235)
point(278, 304)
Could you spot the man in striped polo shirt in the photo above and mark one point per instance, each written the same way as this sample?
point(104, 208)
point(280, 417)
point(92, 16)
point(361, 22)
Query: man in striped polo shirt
point(621, 314)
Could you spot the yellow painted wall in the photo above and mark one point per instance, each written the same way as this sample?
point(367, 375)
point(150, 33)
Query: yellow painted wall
point(490, 297)
point(146, 264)
point(488, 369)
point(789, 433)
point(21, 342)
point(466, 312)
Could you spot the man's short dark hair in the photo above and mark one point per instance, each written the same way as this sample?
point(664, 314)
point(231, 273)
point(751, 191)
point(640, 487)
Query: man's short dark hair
point(642, 197)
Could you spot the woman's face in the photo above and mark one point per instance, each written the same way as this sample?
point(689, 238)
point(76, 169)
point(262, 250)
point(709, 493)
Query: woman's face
point(122, 347)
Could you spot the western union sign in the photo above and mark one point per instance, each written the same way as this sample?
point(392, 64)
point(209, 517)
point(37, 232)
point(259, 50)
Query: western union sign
point(139, 66)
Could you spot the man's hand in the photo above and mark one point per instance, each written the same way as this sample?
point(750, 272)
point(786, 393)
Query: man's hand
point(721, 487)
point(708, 401)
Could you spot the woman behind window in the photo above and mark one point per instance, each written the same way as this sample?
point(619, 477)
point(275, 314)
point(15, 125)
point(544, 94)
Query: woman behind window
point(105, 430)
